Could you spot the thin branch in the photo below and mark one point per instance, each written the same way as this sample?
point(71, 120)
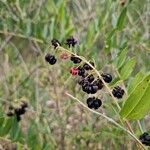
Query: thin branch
point(105, 84)
point(109, 119)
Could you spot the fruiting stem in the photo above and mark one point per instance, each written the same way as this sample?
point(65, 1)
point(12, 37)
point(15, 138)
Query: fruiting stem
point(107, 87)
point(109, 119)
point(82, 58)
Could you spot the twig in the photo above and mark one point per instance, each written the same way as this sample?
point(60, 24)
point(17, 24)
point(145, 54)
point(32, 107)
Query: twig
point(109, 119)
point(105, 84)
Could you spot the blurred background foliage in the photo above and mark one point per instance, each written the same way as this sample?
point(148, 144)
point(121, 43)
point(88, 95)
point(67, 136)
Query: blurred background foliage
point(112, 33)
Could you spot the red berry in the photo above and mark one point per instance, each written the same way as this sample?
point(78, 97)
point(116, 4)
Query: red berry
point(74, 71)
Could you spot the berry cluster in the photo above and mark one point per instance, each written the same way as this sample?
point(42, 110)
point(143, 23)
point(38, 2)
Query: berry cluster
point(118, 92)
point(18, 111)
point(89, 85)
point(55, 43)
point(88, 82)
point(71, 42)
point(145, 139)
point(93, 102)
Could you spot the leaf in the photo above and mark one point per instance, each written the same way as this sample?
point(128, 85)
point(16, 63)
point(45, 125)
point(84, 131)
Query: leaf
point(139, 76)
point(45, 31)
point(6, 127)
point(114, 20)
point(121, 19)
point(119, 61)
point(51, 28)
point(28, 28)
point(137, 104)
point(127, 69)
point(108, 42)
point(15, 132)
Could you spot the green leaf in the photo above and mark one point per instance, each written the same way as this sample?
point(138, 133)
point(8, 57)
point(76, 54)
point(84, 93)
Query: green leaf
point(51, 28)
point(137, 104)
point(45, 31)
point(6, 127)
point(139, 76)
point(15, 132)
point(29, 28)
point(121, 19)
point(114, 20)
point(127, 69)
point(108, 42)
point(119, 61)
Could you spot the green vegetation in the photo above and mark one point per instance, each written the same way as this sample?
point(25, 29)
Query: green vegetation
point(112, 35)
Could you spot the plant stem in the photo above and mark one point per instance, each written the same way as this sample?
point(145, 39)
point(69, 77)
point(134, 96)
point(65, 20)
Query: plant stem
point(109, 119)
point(105, 84)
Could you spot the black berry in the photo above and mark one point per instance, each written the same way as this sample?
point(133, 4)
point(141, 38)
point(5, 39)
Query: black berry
point(118, 92)
point(94, 89)
point(90, 78)
point(19, 111)
point(86, 88)
point(81, 71)
point(97, 103)
point(55, 43)
point(87, 67)
point(75, 59)
point(50, 59)
point(145, 139)
point(93, 102)
point(71, 41)
point(89, 88)
point(99, 83)
point(90, 102)
point(81, 81)
point(106, 77)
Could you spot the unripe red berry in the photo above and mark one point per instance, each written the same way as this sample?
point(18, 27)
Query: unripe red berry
point(74, 71)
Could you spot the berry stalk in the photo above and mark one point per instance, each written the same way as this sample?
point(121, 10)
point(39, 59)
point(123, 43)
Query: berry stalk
point(130, 131)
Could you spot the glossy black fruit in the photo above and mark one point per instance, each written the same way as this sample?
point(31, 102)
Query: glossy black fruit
point(87, 67)
point(55, 43)
point(107, 77)
point(99, 83)
point(81, 71)
point(94, 89)
point(93, 102)
point(75, 59)
point(51, 59)
point(145, 139)
point(90, 102)
point(118, 92)
point(71, 42)
point(20, 111)
point(90, 78)
point(97, 103)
